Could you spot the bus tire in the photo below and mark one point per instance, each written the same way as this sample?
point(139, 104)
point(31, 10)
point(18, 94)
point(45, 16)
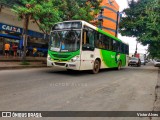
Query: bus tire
point(96, 66)
point(119, 65)
point(70, 70)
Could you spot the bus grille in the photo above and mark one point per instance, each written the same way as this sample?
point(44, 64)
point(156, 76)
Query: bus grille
point(60, 56)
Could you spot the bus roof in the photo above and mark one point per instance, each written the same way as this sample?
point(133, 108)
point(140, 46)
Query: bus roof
point(95, 28)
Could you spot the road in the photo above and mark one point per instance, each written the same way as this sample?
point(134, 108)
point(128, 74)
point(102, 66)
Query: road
point(43, 89)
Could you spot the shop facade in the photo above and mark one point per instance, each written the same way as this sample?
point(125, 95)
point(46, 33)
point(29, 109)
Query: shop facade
point(11, 31)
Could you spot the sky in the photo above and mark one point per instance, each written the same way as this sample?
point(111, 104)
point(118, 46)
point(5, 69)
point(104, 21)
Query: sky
point(130, 40)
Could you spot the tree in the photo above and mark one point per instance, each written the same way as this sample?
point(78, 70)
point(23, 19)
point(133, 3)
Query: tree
point(43, 12)
point(142, 21)
point(78, 9)
point(8, 2)
point(152, 35)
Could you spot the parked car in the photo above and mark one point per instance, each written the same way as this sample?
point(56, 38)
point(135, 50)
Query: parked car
point(143, 62)
point(157, 63)
point(147, 61)
point(134, 61)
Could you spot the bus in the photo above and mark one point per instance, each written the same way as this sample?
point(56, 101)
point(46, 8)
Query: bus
point(78, 45)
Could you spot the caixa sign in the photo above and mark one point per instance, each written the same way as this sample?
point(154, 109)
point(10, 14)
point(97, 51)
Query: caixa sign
point(10, 28)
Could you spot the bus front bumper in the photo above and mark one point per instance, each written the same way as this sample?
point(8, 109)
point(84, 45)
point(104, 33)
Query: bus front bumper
point(66, 65)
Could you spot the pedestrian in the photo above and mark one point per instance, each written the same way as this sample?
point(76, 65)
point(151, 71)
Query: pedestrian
point(34, 51)
point(7, 48)
point(14, 48)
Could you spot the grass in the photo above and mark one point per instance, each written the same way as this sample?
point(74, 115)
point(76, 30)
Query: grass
point(25, 63)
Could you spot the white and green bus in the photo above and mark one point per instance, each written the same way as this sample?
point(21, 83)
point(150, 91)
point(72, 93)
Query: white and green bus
point(78, 45)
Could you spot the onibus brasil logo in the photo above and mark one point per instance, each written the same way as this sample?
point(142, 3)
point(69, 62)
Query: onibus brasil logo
point(21, 114)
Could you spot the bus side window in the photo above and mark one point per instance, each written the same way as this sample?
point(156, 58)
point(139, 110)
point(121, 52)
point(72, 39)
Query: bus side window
point(118, 47)
point(106, 42)
point(111, 44)
point(101, 41)
point(114, 45)
point(126, 49)
point(122, 48)
point(89, 37)
point(96, 38)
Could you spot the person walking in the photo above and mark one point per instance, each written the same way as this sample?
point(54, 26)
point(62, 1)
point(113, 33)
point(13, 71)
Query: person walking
point(7, 48)
point(14, 48)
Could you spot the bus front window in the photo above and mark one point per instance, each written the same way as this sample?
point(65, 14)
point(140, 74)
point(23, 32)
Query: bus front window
point(65, 40)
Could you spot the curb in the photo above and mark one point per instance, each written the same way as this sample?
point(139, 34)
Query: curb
point(21, 67)
point(21, 60)
point(156, 105)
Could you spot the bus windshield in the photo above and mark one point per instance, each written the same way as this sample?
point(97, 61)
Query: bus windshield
point(65, 40)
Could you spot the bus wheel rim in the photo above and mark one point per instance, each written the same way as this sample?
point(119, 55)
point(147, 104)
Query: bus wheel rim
point(96, 66)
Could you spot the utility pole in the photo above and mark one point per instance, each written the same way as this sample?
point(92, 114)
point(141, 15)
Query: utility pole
point(117, 24)
point(136, 50)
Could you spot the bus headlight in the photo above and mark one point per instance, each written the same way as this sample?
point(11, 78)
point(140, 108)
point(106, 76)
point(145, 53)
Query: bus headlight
point(75, 58)
point(48, 57)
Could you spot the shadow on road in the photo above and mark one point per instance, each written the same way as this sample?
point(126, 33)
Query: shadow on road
point(81, 73)
point(142, 68)
point(146, 68)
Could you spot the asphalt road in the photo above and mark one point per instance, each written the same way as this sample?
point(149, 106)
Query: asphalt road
point(44, 89)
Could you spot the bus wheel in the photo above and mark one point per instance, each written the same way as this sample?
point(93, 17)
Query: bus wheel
point(69, 70)
point(96, 67)
point(119, 65)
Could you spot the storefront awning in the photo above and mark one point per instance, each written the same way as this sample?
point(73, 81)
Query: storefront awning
point(10, 36)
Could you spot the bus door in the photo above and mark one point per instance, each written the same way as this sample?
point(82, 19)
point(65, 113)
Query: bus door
point(87, 54)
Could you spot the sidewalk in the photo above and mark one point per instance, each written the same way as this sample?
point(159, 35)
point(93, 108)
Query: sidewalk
point(16, 62)
point(18, 59)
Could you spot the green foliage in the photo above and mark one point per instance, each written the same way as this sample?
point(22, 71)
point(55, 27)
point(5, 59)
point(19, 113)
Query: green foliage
point(154, 49)
point(43, 12)
point(24, 63)
point(78, 9)
point(8, 2)
point(142, 21)
point(152, 21)
point(47, 12)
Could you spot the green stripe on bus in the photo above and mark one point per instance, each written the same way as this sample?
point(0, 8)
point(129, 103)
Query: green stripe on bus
point(111, 59)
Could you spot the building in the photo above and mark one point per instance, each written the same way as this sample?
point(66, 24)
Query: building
point(109, 17)
point(11, 30)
